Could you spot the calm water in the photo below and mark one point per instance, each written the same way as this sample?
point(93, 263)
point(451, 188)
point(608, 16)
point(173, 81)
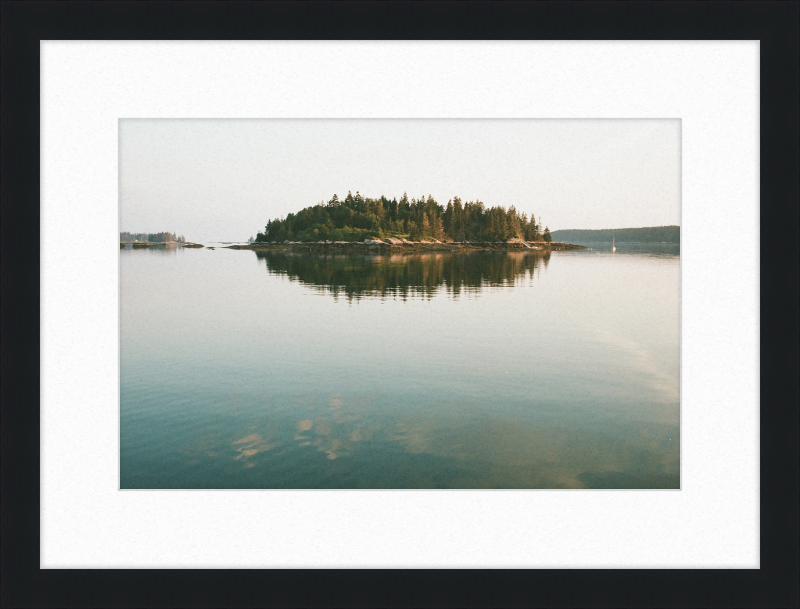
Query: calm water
point(520, 370)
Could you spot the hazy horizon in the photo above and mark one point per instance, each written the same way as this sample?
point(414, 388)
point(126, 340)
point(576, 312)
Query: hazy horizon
point(223, 179)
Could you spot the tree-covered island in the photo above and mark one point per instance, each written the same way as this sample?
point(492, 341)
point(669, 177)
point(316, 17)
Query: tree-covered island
point(162, 237)
point(147, 240)
point(356, 218)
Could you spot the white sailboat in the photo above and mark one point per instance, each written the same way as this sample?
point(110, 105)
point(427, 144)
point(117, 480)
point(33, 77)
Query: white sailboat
point(613, 247)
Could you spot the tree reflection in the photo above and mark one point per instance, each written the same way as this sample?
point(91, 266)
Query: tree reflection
point(417, 275)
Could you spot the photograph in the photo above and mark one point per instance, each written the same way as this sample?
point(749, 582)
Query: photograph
point(399, 303)
point(399, 315)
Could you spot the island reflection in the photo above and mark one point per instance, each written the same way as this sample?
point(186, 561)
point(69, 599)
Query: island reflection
point(357, 276)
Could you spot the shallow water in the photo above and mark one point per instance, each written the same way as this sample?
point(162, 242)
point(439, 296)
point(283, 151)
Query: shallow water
point(244, 369)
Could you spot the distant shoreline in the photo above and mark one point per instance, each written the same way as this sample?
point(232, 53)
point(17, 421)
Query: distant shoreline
point(399, 245)
point(145, 244)
point(644, 235)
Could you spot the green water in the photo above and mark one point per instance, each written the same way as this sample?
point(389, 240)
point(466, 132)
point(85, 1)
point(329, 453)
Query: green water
point(483, 370)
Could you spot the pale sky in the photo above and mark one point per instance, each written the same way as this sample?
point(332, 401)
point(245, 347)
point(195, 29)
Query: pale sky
point(221, 180)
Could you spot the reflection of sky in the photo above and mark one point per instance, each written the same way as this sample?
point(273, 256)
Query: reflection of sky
point(480, 450)
point(232, 377)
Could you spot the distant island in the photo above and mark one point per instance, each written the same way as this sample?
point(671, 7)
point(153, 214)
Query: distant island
point(162, 239)
point(647, 234)
point(422, 223)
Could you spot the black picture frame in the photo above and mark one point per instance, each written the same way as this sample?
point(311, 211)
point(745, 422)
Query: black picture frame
point(775, 24)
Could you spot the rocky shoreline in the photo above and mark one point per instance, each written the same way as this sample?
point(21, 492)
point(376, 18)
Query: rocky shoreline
point(390, 244)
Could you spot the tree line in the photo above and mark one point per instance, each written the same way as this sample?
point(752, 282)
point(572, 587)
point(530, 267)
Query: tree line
point(356, 218)
point(646, 234)
point(162, 237)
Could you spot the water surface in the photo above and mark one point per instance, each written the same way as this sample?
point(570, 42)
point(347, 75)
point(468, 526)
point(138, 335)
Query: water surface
point(244, 369)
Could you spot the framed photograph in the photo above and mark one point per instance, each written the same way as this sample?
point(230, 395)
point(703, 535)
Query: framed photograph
point(392, 341)
point(451, 310)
